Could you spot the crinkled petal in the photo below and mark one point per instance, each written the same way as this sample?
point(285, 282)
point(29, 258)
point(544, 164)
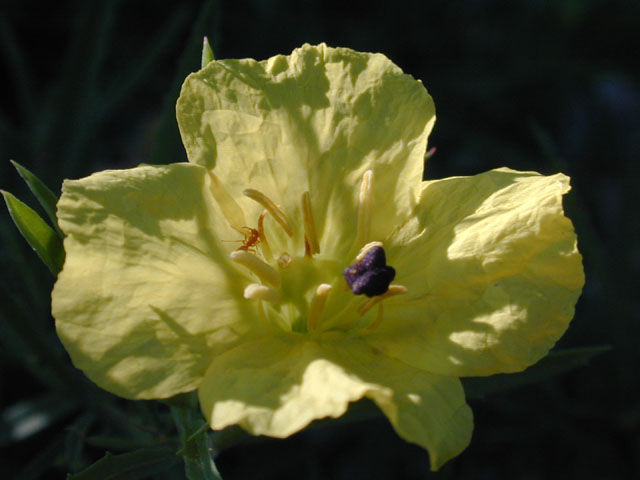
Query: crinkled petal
point(498, 277)
point(312, 121)
point(145, 297)
point(276, 387)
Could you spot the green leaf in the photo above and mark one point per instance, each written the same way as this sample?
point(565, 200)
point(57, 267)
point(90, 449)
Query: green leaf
point(120, 443)
point(207, 53)
point(555, 363)
point(44, 195)
point(36, 232)
point(143, 463)
point(28, 417)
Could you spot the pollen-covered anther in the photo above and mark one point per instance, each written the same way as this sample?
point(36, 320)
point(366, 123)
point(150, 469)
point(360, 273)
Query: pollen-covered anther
point(271, 207)
point(262, 292)
point(310, 235)
point(364, 207)
point(370, 275)
point(263, 270)
point(372, 302)
point(317, 306)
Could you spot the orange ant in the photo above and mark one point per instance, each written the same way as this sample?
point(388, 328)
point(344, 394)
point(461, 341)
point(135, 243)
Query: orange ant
point(250, 241)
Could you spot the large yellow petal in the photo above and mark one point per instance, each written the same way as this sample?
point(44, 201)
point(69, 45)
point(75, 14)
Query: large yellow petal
point(497, 279)
point(277, 386)
point(314, 121)
point(146, 298)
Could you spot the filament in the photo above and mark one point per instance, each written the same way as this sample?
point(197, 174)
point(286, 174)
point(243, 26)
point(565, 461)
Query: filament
point(310, 234)
point(264, 245)
point(317, 305)
point(364, 208)
point(369, 304)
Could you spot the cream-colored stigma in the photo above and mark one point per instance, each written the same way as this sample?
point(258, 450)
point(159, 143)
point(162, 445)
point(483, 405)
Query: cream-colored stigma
point(311, 237)
point(262, 292)
point(364, 207)
point(369, 304)
point(263, 270)
point(271, 207)
point(317, 306)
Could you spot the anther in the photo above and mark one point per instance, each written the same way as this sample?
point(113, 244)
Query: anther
point(262, 292)
point(271, 207)
point(263, 270)
point(372, 302)
point(228, 206)
point(364, 208)
point(264, 245)
point(310, 235)
point(317, 305)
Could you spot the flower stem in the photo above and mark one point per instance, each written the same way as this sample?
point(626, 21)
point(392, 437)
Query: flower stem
point(196, 448)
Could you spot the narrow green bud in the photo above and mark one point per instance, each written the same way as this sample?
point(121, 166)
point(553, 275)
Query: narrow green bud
point(207, 53)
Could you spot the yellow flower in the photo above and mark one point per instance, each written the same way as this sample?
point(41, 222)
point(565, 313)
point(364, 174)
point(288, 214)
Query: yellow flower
point(350, 276)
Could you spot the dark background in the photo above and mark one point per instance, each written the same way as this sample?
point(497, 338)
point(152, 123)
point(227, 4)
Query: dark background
point(534, 85)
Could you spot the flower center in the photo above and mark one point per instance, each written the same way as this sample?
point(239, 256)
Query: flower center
point(311, 292)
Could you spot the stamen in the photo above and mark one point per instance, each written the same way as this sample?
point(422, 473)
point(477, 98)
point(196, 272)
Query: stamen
point(262, 292)
point(317, 305)
point(271, 207)
point(369, 304)
point(364, 209)
point(228, 206)
point(263, 270)
point(378, 319)
point(264, 245)
point(310, 234)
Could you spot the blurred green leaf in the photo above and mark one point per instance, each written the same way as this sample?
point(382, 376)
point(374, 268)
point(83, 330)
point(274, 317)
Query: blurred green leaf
point(28, 417)
point(41, 461)
point(207, 53)
point(555, 363)
point(143, 463)
point(74, 441)
point(46, 243)
point(120, 443)
point(45, 196)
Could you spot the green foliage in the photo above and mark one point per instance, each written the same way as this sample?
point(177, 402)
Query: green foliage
point(44, 195)
point(42, 238)
point(135, 465)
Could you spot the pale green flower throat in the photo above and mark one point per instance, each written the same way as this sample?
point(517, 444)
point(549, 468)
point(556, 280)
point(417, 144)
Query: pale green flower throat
point(308, 293)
